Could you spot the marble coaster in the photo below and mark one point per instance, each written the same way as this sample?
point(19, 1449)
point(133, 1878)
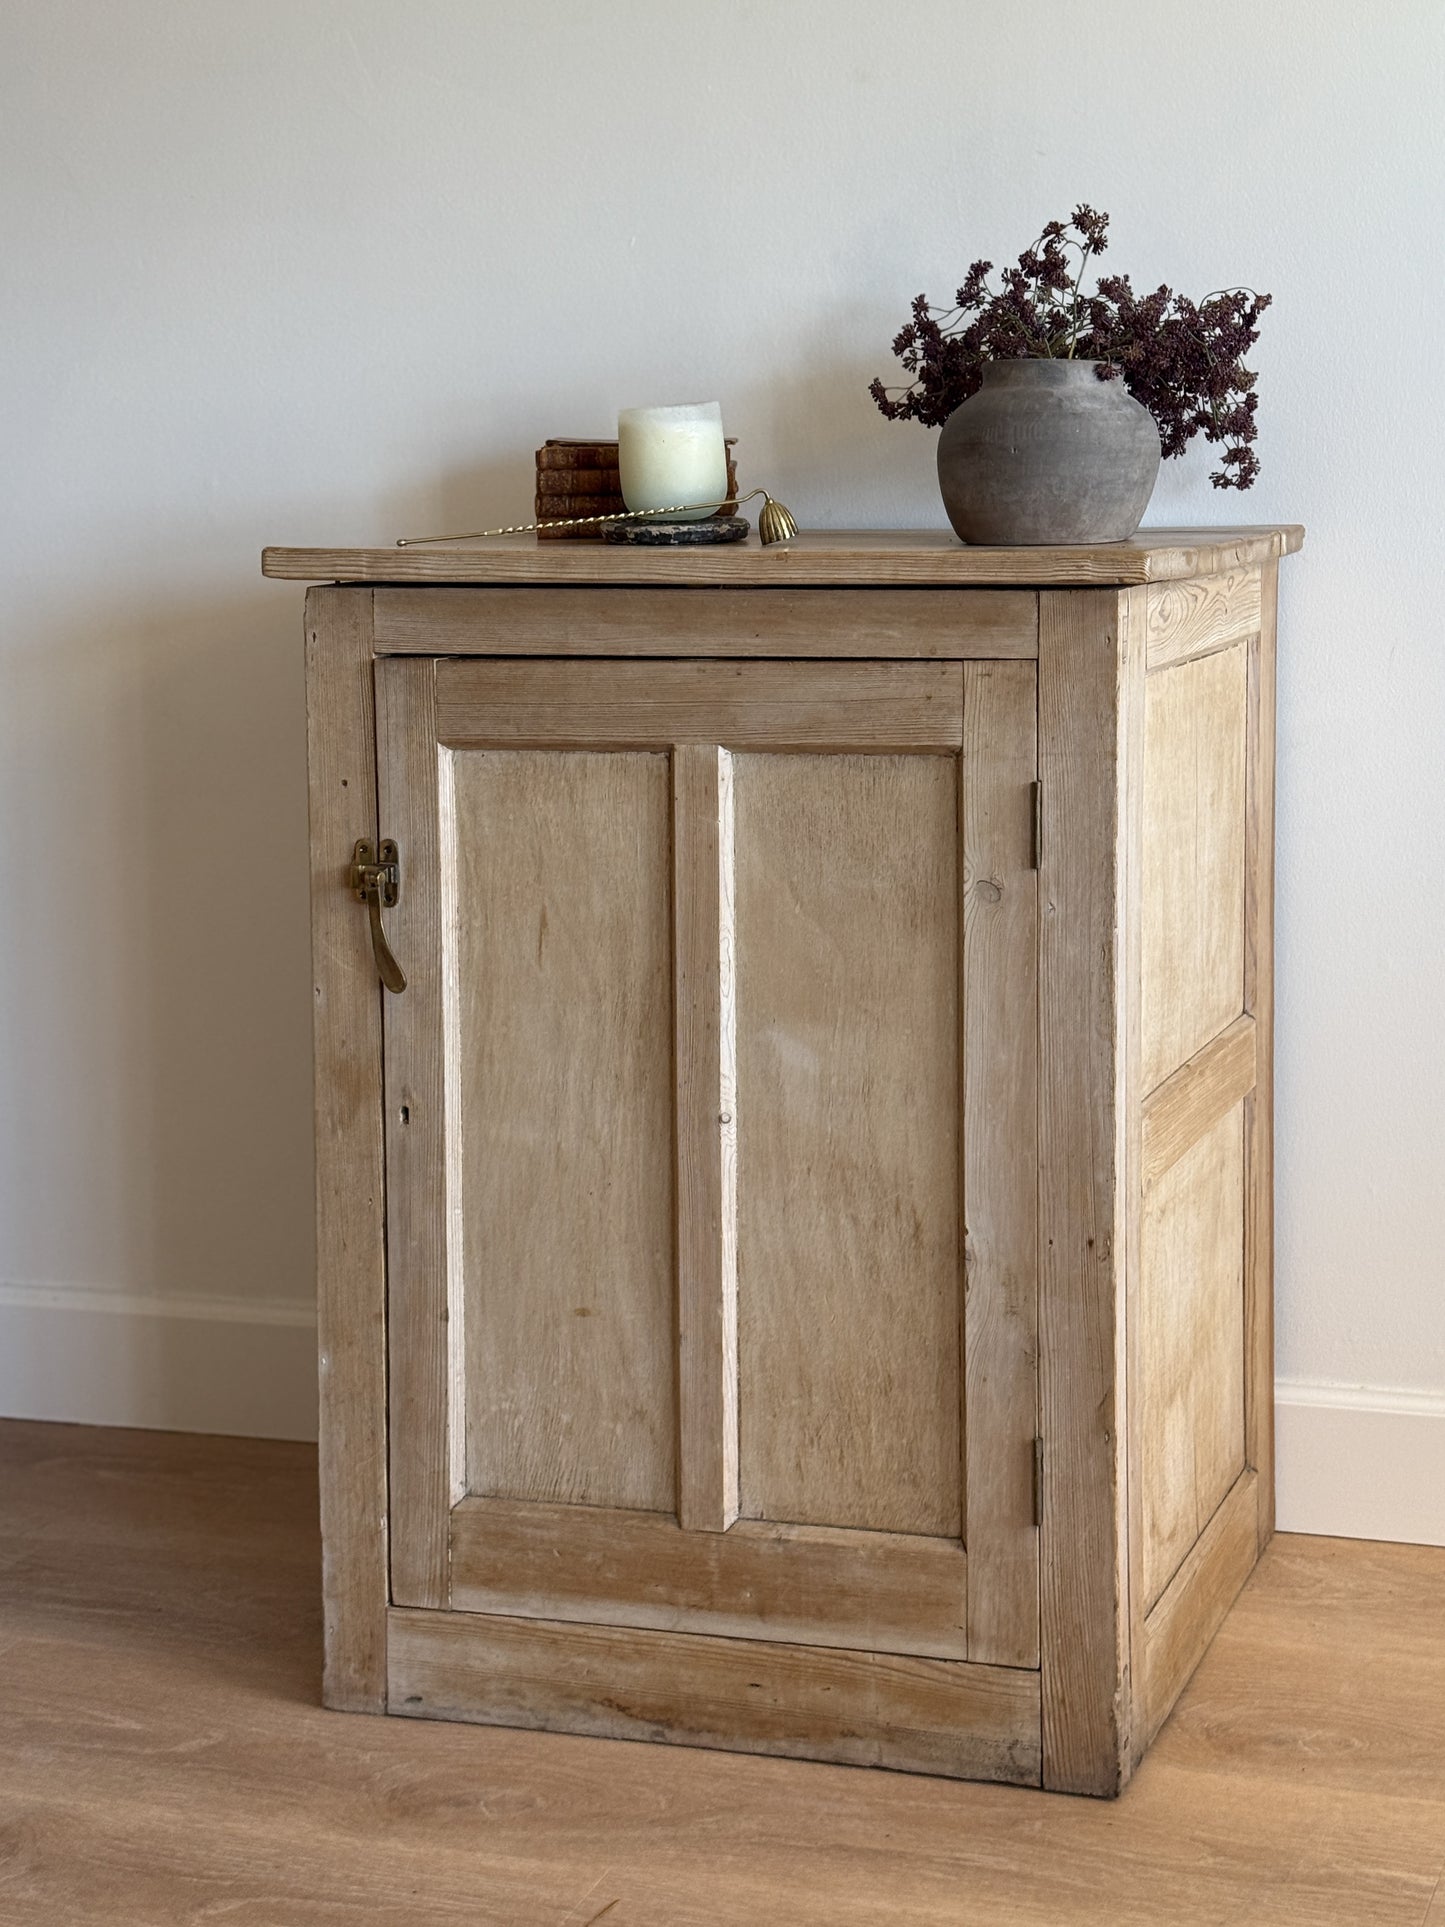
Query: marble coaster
point(678, 535)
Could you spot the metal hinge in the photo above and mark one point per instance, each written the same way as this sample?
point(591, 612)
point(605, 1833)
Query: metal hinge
point(1037, 797)
point(1038, 1482)
point(376, 881)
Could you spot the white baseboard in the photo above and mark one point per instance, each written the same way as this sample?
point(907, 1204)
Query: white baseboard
point(1352, 1462)
point(1360, 1462)
point(166, 1364)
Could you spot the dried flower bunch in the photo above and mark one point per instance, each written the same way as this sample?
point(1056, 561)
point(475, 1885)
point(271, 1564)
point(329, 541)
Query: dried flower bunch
point(1183, 360)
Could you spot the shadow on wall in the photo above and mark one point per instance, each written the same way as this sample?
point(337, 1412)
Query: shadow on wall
point(155, 1167)
point(813, 436)
point(468, 495)
point(155, 1176)
point(159, 1163)
point(807, 430)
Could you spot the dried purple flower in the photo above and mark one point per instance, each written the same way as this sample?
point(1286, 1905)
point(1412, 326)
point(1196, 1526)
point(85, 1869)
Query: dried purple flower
point(1183, 360)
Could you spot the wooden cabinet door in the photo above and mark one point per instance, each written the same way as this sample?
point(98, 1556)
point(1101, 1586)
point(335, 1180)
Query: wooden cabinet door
point(711, 1148)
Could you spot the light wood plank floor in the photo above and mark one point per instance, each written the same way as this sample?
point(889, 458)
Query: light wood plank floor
point(163, 1758)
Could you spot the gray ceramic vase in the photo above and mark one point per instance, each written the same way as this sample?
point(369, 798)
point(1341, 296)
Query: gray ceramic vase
point(1047, 453)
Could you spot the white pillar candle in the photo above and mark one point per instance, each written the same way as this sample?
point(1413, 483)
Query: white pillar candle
point(669, 457)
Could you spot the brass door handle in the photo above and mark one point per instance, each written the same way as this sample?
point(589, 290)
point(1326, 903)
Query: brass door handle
point(376, 880)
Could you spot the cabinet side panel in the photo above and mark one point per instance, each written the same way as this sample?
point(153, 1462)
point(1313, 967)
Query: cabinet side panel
point(1187, 1614)
point(565, 1079)
point(350, 1273)
point(1191, 1311)
point(1194, 851)
point(1196, 617)
point(849, 1293)
point(1259, 1111)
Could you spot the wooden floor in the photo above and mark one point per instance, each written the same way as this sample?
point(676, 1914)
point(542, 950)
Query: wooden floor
point(163, 1757)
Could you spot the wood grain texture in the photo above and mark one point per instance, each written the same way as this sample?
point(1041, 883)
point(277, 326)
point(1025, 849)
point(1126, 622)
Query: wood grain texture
point(1133, 646)
point(849, 1290)
point(1259, 1107)
point(565, 1052)
point(1178, 1112)
point(756, 705)
point(164, 1759)
point(864, 1709)
point(1194, 618)
point(873, 623)
point(706, 1069)
point(859, 557)
point(350, 1183)
point(1191, 1311)
point(1083, 1580)
point(1000, 1159)
point(1152, 903)
point(1194, 844)
point(814, 1585)
point(1188, 1614)
point(422, 1347)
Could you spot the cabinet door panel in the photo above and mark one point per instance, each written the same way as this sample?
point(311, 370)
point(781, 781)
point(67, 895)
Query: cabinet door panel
point(702, 1064)
point(563, 1056)
point(849, 1295)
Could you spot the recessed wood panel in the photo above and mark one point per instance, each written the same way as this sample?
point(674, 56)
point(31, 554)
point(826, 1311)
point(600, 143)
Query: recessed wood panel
point(1191, 1311)
point(848, 1118)
point(563, 1054)
point(500, 703)
point(1193, 858)
point(875, 1592)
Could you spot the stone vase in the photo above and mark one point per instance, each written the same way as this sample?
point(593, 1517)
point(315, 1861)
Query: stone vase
point(1047, 453)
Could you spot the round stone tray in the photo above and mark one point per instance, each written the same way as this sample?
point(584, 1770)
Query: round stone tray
point(678, 535)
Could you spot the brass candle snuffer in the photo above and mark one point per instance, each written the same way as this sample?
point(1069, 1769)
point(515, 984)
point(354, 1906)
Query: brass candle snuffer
point(775, 523)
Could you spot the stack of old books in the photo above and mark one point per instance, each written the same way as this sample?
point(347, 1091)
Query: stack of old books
point(577, 479)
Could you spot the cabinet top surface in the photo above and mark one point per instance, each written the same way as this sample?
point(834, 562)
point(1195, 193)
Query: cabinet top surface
point(886, 558)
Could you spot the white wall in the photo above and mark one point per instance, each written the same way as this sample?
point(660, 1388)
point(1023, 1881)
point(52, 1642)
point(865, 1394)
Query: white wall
point(312, 272)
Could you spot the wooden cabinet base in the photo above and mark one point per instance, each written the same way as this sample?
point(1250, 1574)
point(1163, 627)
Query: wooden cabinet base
point(794, 1262)
point(742, 1695)
point(1178, 1630)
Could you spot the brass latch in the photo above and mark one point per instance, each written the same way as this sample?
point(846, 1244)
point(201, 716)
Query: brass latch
point(376, 880)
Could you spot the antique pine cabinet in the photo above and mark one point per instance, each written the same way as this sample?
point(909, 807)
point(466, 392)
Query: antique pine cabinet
point(795, 1258)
